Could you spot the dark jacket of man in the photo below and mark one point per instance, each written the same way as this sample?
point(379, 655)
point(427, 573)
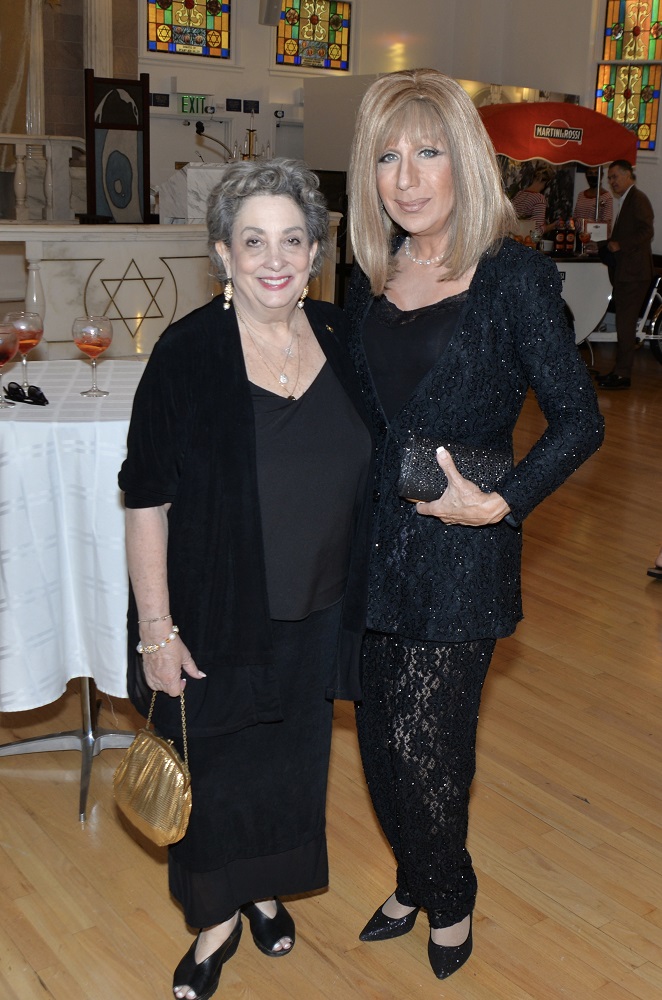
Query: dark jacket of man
point(633, 231)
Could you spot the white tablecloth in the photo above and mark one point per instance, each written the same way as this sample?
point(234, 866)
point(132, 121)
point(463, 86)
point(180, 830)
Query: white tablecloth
point(63, 580)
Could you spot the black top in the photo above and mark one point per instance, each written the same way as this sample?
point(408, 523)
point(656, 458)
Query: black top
point(403, 345)
point(311, 455)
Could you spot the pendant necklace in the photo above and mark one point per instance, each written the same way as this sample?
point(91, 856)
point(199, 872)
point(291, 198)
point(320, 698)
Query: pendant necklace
point(415, 260)
point(280, 377)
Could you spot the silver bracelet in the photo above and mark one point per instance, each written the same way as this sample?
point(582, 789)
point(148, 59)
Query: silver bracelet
point(158, 645)
point(150, 621)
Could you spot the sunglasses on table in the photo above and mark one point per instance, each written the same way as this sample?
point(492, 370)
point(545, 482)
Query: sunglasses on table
point(17, 394)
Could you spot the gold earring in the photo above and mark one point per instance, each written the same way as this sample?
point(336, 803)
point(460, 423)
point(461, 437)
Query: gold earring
point(302, 297)
point(227, 292)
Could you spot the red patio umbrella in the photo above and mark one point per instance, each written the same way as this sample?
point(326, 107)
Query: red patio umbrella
point(558, 133)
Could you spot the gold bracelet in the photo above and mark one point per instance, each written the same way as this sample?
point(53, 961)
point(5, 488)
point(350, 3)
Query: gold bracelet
point(150, 621)
point(158, 645)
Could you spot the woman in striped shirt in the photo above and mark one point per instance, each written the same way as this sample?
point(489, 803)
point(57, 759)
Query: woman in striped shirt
point(531, 203)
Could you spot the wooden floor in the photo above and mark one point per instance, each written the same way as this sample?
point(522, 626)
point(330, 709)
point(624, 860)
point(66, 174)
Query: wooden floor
point(566, 814)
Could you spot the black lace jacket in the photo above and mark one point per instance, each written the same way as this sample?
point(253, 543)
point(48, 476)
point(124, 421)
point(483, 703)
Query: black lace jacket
point(449, 583)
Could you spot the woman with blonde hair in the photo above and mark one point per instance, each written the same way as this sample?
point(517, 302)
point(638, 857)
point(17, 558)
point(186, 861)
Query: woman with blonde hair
point(451, 324)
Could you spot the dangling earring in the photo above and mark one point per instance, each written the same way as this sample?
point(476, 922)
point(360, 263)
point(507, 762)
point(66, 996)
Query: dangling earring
point(302, 297)
point(227, 292)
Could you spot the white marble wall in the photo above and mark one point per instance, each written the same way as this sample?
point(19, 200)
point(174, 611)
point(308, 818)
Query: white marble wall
point(141, 277)
point(184, 197)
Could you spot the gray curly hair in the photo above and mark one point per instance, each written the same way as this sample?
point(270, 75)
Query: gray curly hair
point(242, 179)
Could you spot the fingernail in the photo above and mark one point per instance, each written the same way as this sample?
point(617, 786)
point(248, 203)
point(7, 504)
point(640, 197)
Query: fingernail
point(441, 450)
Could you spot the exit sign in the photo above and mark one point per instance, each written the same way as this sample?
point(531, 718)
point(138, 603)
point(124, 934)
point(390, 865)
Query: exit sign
point(193, 104)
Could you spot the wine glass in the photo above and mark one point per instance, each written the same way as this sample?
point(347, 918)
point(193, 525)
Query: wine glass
point(8, 348)
point(584, 237)
point(30, 327)
point(92, 335)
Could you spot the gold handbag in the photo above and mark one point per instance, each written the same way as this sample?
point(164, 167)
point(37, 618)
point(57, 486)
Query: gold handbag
point(153, 786)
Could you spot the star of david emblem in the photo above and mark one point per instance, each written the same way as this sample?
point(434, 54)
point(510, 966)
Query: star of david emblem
point(129, 302)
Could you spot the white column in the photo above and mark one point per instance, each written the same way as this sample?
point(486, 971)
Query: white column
point(35, 90)
point(48, 179)
point(98, 42)
point(20, 183)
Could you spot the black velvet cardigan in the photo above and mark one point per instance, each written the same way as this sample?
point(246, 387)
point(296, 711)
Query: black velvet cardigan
point(451, 583)
point(191, 443)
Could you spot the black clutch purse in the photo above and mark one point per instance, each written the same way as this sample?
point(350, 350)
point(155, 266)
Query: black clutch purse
point(421, 477)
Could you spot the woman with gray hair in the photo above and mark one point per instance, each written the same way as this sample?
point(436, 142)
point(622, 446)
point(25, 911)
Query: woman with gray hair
point(451, 324)
point(247, 467)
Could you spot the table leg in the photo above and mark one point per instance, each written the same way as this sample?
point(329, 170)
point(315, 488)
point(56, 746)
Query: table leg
point(88, 739)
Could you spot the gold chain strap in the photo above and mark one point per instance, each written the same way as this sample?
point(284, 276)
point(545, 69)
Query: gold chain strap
point(184, 740)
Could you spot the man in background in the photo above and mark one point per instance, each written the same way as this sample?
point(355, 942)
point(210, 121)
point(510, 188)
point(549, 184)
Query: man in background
point(631, 268)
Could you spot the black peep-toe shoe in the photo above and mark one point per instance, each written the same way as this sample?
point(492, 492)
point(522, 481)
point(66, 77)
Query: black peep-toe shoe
point(267, 931)
point(381, 928)
point(203, 977)
point(447, 960)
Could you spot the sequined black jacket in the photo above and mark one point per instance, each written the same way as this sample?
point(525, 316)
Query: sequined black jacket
point(453, 583)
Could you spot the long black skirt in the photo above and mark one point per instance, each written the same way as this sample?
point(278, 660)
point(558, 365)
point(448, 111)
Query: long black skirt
point(257, 826)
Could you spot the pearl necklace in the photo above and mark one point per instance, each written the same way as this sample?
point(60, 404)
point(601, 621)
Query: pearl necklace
point(415, 260)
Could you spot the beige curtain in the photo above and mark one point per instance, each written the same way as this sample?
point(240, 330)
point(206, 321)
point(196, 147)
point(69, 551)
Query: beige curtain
point(14, 59)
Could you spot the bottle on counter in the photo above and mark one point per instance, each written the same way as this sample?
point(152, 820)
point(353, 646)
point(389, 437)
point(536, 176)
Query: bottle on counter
point(570, 238)
point(559, 239)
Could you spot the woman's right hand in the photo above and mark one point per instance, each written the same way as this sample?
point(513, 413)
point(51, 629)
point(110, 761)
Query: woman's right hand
point(463, 501)
point(163, 669)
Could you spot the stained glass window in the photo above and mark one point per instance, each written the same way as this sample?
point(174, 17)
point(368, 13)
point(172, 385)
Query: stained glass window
point(189, 27)
point(633, 30)
point(628, 86)
point(314, 33)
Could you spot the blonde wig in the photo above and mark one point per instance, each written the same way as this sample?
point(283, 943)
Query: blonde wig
point(424, 105)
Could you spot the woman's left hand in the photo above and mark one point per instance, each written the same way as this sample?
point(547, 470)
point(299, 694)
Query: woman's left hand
point(463, 502)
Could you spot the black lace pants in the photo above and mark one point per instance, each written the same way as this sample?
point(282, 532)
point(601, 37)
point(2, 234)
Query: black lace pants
point(417, 733)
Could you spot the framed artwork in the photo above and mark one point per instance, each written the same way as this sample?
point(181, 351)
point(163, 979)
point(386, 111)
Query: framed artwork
point(117, 140)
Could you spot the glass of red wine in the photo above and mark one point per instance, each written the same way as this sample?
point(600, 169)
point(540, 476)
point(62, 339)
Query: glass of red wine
point(584, 237)
point(8, 348)
point(30, 329)
point(92, 335)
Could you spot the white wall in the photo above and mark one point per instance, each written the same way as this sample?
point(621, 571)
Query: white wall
point(387, 43)
point(527, 43)
point(331, 108)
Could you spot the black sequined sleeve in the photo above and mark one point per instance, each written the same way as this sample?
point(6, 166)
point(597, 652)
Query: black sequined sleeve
point(556, 373)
